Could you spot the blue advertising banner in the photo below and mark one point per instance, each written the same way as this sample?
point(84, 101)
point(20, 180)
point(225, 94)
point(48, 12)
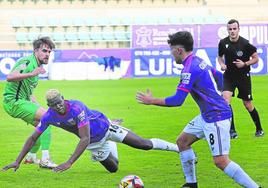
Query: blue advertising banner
point(8, 60)
point(159, 62)
point(151, 62)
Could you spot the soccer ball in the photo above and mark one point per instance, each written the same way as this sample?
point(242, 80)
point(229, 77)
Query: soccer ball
point(131, 181)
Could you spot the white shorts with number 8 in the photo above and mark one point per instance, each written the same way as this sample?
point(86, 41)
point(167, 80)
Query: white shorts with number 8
point(216, 133)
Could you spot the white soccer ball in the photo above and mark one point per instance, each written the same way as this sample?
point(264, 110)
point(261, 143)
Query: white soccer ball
point(131, 181)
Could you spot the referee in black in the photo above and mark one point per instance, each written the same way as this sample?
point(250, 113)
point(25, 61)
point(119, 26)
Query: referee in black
point(235, 55)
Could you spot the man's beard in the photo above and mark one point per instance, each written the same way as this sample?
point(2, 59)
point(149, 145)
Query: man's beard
point(42, 62)
point(179, 61)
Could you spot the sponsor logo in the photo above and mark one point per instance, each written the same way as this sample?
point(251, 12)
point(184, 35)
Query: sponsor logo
point(203, 65)
point(185, 78)
point(239, 53)
point(81, 116)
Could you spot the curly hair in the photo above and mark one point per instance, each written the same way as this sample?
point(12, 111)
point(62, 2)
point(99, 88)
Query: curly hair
point(52, 93)
point(43, 40)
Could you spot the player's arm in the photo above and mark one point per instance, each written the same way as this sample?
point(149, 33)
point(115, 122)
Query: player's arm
point(175, 100)
point(241, 64)
point(26, 148)
point(221, 56)
point(218, 78)
point(33, 99)
point(18, 75)
point(80, 148)
point(147, 98)
point(254, 59)
point(221, 62)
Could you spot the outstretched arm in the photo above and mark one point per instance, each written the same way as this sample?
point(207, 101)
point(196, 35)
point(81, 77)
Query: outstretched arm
point(17, 76)
point(26, 148)
point(147, 98)
point(175, 100)
point(80, 148)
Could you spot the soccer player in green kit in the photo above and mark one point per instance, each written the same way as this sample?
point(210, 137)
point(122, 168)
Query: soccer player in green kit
point(19, 102)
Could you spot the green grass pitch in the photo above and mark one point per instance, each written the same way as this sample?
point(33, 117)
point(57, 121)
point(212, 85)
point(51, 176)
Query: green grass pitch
point(158, 169)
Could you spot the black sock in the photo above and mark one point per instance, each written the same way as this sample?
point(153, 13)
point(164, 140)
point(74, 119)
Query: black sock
point(255, 117)
point(232, 122)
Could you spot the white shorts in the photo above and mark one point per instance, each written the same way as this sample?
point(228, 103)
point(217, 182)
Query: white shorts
point(216, 133)
point(101, 150)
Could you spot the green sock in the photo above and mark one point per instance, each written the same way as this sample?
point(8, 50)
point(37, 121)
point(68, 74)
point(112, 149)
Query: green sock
point(46, 139)
point(36, 146)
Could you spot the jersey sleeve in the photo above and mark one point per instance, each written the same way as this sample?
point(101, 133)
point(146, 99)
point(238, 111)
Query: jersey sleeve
point(21, 66)
point(221, 48)
point(80, 115)
point(184, 87)
point(42, 126)
point(218, 78)
point(177, 99)
point(252, 49)
point(187, 80)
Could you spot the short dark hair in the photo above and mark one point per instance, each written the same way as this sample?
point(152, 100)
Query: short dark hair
point(183, 38)
point(233, 21)
point(43, 40)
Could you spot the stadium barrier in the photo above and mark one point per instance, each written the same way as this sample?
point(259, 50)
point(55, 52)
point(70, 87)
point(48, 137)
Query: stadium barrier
point(125, 63)
point(148, 56)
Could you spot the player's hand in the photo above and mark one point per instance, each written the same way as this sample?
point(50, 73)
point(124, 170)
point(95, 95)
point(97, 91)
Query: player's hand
point(223, 67)
point(38, 70)
point(144, 98)
point(62, 167)
point(239, 64)
point(14, 165)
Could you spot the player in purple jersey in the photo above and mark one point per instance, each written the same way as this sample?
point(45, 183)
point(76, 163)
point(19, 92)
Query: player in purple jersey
point(204, 84)
point(96, 132)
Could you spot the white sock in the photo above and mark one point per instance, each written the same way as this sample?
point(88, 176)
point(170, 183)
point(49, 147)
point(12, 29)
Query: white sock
point(234, 171)
point(113, 148)
point(45, 155)
point(31, 156)
point(188, 165)
point(164, 145)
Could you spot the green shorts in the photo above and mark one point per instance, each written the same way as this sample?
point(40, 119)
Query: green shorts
point(22, 109)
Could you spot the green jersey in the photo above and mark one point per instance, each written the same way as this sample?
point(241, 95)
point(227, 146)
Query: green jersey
point(22, 89)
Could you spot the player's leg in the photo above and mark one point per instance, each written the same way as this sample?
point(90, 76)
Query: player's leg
point(106, 153)
point(228, 92)
point(25, 110)
point(121, 134)
point(217, 135)
point(255, 117)
point(45, 140)
point(138, 142)
point(32, 113)
point(31, 156)
point(111, 162)
point(191, 133)
point(245, 93)
point(227, 95)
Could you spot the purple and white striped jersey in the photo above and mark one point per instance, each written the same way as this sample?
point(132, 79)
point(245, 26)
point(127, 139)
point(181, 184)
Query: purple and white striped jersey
point(200, 79)
point(77, 115)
